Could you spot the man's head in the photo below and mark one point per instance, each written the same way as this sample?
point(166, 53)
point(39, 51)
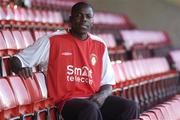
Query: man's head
point(81, 18)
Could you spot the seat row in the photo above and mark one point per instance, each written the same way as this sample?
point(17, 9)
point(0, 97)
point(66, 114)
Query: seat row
point(132, 37)
point(147, 81)
point(117, 21)
point(146, 43)
point(57, 4)
point(18, 16)
point(13, 40)
point(168, 110)
point(25, 98)
point(175, 56)
point(15, 15)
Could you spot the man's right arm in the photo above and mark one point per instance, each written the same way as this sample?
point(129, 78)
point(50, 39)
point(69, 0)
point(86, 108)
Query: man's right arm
point(15, 64)
point(16, 67)
point(36, 54)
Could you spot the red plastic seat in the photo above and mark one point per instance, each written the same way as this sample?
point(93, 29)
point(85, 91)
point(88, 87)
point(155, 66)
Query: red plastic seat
point(10, 42)
point(109, 40)
point(8, 104)
point(41, 81)
point(144, 117)
point(164, 112)
point(40, 103)
point(151, 115)
point(158, 113)
point(116, 71)
point(38, 34)
point(28, 38)
point(3, 46)
point(22, 96)
point(20, 42)
point(30, 96)
point(5, 68)
point(2, 15)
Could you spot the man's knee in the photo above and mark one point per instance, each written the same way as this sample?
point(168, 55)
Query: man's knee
point(90, 112)
point(133, 104)
point(91, 106)
point(134, 108)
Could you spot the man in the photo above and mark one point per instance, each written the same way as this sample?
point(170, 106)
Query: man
point(79, 71)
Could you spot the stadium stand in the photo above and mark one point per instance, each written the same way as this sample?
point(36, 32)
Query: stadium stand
point(143, 72)
point(146, 43)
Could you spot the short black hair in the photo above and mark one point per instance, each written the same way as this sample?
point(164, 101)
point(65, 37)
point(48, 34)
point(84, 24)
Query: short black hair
point(79, 5)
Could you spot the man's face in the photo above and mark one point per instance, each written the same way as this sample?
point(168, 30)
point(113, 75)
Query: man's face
point(82, 20)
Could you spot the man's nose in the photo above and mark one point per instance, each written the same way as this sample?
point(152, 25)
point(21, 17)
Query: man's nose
point(84, 18)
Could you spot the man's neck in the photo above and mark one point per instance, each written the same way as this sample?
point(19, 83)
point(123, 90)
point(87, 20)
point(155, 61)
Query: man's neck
point(78, 35)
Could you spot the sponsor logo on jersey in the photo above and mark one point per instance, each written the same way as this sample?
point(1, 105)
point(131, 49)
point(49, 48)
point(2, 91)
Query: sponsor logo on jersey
point(79, 74)
point(66, 53)
point(93, 59)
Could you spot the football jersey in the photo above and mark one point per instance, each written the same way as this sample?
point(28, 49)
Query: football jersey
point(76, 68)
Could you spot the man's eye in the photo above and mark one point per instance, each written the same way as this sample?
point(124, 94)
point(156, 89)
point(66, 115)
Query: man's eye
point(78, 15)
point(89, 16)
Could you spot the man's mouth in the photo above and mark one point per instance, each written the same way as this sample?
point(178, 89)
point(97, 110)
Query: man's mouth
point(84, 26)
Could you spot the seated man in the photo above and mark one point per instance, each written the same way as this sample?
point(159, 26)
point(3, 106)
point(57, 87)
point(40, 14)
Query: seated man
point(79, 72)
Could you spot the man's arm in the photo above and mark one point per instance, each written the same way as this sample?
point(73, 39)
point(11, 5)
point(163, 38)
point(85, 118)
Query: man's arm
point(16, 67)
point(107, 81)
point(31, 56)
point(101, 96)
point(15, 64)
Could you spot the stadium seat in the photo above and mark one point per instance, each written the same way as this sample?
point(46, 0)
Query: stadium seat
point(164, 112)
point(5, 68)
point(41, 82)
point(3, 46)
point(24, 97)
point(38, 33)
point(144, 117)
point(10, 42)
point(151, 115)
point(20, 42)
point(8, 105)
point(28, 38)
point(175, 59)
point(158, 113)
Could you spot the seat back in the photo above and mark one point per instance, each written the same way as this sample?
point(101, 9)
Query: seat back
point(7, 98)
point(144, 117)
point(8, 103)
point(20, 91)
point(32, 89)
point(41, 81)
point(151, 115)
point(3, 46)
point(10, 42)
point(27, 37)
point(20, 43)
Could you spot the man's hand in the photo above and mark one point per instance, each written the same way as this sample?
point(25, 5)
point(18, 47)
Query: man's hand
point(98, 98)
point(101, 96)
point(16, 67)
point(25, 72)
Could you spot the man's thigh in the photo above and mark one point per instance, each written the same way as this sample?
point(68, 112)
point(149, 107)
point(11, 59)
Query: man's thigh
point(74, 107)
point(114, 106)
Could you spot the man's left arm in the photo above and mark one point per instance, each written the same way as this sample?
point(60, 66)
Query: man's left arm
point(101, 96)
point(107, 81)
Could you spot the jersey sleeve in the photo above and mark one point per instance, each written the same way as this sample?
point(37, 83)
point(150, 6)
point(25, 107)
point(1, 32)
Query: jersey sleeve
point(36, 54)
point(107, 72)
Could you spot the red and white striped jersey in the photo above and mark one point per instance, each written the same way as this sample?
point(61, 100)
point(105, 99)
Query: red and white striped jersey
point(76, 68)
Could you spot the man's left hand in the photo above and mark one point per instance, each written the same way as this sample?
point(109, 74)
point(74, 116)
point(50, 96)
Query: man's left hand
point(98, 98)
point(101, 96)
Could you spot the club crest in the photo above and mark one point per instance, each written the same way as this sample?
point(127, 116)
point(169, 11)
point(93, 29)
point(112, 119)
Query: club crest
point(93, 59)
